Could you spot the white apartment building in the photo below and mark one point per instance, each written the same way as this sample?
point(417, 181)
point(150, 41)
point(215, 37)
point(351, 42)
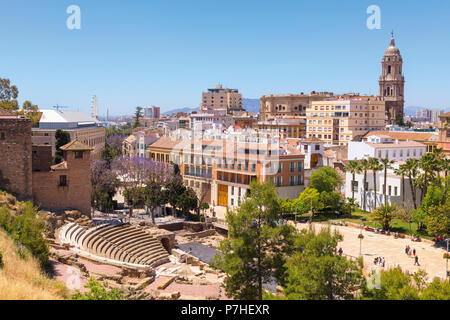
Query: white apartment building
point(393, 189)
point(206, 121)
point(383, 147)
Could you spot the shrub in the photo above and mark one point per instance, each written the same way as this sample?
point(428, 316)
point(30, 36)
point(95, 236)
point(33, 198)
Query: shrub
point(1, 261)
point(98, 291)
point(26, 228)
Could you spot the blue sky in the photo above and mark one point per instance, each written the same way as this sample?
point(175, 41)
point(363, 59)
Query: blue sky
point(165, 53)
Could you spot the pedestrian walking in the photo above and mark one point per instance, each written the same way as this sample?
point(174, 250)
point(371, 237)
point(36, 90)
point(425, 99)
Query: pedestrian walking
point(416, 261)
point(414, 252)
point(409, 253)
point(406, 250)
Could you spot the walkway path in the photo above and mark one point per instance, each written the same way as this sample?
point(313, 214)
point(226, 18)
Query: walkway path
point(393, 250)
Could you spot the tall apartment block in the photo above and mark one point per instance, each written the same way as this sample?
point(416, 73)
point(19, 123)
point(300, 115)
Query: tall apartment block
point(221, 100)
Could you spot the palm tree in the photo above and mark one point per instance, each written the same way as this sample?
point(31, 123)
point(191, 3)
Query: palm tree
point(386, 163)
point(352, 167)
point(411, 167)
point(427, 164)
point(385, 214)
point(375, 166)
point(364, 165)
point(402, 171)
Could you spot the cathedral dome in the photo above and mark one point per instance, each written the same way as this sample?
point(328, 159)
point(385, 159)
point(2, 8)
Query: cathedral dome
point(392, 50)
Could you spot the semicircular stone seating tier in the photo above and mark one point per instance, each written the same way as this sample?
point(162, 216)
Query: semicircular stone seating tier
point(123, 243)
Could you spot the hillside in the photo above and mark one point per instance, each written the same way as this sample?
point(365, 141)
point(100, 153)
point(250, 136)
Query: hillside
point(251, 105)
point(21, 277)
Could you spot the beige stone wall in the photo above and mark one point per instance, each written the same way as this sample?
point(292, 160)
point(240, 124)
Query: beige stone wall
point(76, 195)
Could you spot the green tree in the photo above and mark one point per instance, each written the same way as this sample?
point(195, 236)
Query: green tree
point(31, 111)
point(353, 167)
point(257, 245)
point(325, 179)
point(437, 290)
point(308, 201)
point(8, 95)
point(62, 138)
point(187, 202)
point(375, 166)
point(98, 291)
point(387, 164)
point(385, 214)
point(405, 213)
point(438, 220)
point(402, 171)
point(394, 285)
point(137, 116)
point(364, 166)
point(411, 166)
point(317, 272)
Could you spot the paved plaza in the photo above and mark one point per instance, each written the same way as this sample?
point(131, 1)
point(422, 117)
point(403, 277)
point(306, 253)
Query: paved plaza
point(393, 250)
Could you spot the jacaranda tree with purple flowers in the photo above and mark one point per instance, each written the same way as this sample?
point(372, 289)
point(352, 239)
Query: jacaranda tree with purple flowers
point(113, 148)
point(104, 185)
point(140, 176)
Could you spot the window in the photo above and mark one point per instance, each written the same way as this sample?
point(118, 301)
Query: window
point(278, 181)
point(390, 190)
point(291, 180)
point(299, 166)
point(292, 166)
point(355, 186)
point(78, 154)
point(2, 136)
point(395, 191)
point(62, 181)
point(299, 180)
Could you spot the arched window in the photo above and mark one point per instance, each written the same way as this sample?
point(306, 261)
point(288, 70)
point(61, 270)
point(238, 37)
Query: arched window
point(389, 69)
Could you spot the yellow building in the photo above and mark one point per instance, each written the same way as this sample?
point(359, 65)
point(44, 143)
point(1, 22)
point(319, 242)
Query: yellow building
point(222, 99)
point(336, 122)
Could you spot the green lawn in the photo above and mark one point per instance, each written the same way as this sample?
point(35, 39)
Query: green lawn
point(397, 225)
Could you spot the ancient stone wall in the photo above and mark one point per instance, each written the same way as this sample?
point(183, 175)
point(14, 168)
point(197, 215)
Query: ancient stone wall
point(15, 156)
point(76, 194)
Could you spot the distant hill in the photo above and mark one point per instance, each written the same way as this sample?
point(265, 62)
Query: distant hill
point(185, 110)
point(251, 105)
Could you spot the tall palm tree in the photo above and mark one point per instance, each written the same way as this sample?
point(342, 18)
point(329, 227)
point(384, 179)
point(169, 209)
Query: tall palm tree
point(411, 166)
point(364, 165)
point(387, 164)
point(375, 166)
point(428, 164)
point(352, 167)
point(402, 171)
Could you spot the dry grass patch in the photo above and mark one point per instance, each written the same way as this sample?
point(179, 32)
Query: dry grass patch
point(22, 278)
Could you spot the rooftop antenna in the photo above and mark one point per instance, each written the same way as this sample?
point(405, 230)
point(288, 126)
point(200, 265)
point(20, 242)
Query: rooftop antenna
point(57, 107)
point(94, 107)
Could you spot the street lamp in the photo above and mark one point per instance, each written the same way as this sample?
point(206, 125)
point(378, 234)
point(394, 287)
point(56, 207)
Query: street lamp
point(360, 236)
point(310, 219)
point(446, 260)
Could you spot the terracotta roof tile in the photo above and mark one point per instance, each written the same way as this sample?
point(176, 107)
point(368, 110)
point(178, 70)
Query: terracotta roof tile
point(402, 135)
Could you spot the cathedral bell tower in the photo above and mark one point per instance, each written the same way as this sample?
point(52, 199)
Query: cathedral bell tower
point(392, 83)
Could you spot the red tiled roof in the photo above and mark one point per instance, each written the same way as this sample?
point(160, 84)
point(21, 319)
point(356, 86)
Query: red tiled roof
point(402, 135)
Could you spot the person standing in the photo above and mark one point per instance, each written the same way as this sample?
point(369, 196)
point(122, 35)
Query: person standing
point(414, 252)
point(416, 261)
